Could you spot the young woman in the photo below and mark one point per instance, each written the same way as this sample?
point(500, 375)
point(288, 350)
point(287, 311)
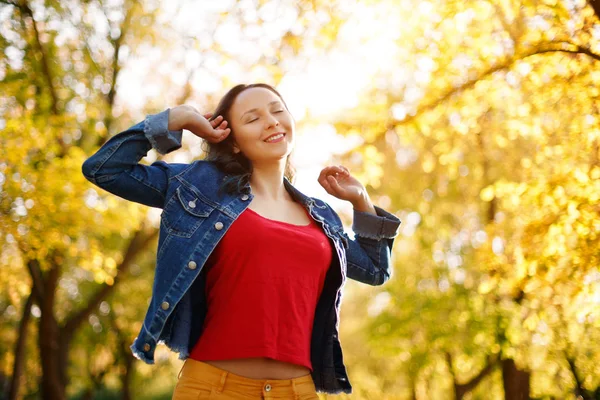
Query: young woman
point(249, 270)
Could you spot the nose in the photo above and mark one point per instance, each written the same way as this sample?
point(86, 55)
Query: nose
point(272, 121)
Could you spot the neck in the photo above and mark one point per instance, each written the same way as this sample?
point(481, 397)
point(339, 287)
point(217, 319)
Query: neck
point(267, 182)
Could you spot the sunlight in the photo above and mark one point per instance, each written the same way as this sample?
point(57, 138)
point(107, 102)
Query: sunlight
point(316, 93)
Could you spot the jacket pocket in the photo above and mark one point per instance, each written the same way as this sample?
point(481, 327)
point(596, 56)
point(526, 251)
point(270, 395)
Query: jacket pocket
point(185, 212)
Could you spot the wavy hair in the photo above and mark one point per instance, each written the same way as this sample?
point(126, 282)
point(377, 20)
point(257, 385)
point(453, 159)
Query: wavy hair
point(237, 166)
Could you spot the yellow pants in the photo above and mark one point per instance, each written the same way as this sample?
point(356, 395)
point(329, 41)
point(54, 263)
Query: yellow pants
point(199, 380)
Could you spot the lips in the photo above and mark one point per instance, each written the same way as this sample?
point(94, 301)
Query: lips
point(275, 134)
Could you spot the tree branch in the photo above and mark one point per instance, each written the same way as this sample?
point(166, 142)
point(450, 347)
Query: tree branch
point(116, 69)
point(19, 349)
point(471, 82)
point(51, 282)
point(45, 66)
point(136, 245)
point(86, 45)
point(507, 27)
point(596, 6)
point(33, 266)
point(11, 3)
point(461, 389)
point(489, 367)
point(24, 7)
point(579, 389)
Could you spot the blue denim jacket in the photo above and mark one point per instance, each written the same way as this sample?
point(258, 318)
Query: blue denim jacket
point(195, 217)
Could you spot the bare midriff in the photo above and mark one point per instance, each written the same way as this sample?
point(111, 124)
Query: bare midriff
point(261, 368)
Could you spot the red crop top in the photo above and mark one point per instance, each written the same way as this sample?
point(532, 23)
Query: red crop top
point(263, 282)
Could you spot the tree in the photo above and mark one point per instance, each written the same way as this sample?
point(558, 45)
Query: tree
point(496, 135)
point(61, 70)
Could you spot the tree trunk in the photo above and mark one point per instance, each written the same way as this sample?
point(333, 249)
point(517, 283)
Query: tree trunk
point(53, 387)
point(88, 394)
point(516, 381)
point(126, 378)
point(49, 340)
point(54, 340)
point(596, 6)
point(63, 355)
point(19, 354)
point(124, 356)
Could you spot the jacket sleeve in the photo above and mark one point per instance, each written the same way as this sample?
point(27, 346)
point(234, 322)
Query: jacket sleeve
point(115, 166)
point(369, 255)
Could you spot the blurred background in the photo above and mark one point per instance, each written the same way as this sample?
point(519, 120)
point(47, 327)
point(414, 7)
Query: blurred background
point(475, 122)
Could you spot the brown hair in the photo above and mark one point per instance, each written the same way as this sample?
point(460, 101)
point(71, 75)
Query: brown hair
point(236, 165)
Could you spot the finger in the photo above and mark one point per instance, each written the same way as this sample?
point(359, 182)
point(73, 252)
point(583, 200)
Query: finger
point(324, 172)
point(215, 140)
point(326, 185)
point(330, 183)
point(215, 122)
point(333, 170)
point(322, 179)
point(207, 115)
point(335, 186)
point(341, 170)
point(221, 129)
point(221, 134)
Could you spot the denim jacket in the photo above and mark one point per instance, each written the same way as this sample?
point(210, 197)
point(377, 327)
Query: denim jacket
point(195, 217)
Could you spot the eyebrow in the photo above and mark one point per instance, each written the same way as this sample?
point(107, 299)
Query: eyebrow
point(256, 109)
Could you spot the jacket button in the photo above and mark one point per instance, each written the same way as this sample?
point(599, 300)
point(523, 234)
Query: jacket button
point(219, 226)
point(164, 305)
point(245, 197)
point(192, 265)
point(147, 347)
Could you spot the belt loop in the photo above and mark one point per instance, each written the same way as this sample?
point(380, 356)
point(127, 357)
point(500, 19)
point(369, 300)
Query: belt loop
point(296, 394)
point(223, 379)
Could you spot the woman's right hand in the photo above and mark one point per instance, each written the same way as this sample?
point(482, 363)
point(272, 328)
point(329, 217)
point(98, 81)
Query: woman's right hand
point(187, 117)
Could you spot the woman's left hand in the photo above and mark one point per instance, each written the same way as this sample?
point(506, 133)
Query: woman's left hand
point(338, 182)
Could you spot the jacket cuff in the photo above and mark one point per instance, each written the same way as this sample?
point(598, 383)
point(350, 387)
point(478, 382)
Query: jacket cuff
point(156, 130)
point(384, 225)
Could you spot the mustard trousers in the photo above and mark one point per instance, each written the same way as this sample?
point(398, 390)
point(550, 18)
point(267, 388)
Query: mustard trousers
point(198, 380)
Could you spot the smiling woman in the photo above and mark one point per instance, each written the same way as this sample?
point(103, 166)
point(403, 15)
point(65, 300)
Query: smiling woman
point(241, 151)
point(249, 269)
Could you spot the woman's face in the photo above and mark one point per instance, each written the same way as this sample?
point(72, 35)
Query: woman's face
point(256, 115)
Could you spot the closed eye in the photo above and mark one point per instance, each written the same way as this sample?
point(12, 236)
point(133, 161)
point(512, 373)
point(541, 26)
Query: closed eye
point(274, 112)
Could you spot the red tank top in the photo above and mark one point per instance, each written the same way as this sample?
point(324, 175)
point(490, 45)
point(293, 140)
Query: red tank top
point(263, 281)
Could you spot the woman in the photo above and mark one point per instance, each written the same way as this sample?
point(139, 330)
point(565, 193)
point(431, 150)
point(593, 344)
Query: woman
point(261, 319)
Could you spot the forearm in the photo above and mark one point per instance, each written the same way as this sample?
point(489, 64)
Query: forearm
point(365, 205)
